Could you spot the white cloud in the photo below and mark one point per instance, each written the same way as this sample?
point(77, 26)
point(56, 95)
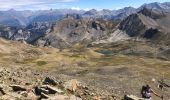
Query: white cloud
point(75, 8)
point(87, 9)
point(78, 8)
point(19, 4)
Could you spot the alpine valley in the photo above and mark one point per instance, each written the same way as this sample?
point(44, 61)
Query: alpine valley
point(66, 54)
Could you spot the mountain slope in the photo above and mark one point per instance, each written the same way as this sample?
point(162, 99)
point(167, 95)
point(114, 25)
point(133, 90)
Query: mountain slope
point(15, 18)
point(157, 6)
point(29, 34)
point(148, 24)
point(125, 12)
point(70, 31)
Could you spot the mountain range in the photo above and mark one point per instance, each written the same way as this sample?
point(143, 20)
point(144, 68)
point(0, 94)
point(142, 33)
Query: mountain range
point(64, 28)
point(24, 18)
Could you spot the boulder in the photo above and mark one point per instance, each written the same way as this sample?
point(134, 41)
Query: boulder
point(46, 89)
point(72, 85)
point(73, 97)
point(51, 90)
point(37, 90)
point(2, 91)
point(32, 96)
point(6, 97)
point(25, 95)
point(5, 89)
point(58, 97)
point(18, 88)
point(49, 81)
point(131, 97)
point(43, 96)
point(64, 97)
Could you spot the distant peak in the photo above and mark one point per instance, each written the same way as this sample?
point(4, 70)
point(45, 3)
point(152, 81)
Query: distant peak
point(129, 7)
point(93, 10)
point(73, 16)
point(153, 13)
point(105, 10)
point(145, 10)
point(12, 10)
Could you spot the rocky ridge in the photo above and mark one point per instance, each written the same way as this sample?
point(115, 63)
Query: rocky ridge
point(147, 24)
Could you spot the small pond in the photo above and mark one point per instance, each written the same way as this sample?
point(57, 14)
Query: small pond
point(105, 52)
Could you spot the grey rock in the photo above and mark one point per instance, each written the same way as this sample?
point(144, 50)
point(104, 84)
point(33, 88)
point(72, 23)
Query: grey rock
point(5, 89)
point(49, 81)
point(52, 90)
point(2, 91)
point(43, 96)
point(18, 88)
point(132, 97)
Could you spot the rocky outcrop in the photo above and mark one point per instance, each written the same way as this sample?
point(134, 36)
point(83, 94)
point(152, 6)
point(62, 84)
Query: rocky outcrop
point(147, 24)
point(37, 30)
point(152, 13)
point(132, 25)
point(70, 31)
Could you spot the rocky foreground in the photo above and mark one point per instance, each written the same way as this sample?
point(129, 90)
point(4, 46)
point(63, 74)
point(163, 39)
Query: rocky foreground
point(28, 84)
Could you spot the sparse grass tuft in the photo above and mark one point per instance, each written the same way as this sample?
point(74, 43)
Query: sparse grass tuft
point(41, 63)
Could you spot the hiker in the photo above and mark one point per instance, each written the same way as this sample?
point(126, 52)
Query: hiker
point(147, 93)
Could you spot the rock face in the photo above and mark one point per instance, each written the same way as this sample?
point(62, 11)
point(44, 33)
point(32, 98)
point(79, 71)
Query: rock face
point(154, 14)
point(137, 24)
point(148, 24)
point(37, 30)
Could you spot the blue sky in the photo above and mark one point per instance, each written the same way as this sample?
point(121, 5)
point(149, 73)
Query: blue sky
point(73, 4)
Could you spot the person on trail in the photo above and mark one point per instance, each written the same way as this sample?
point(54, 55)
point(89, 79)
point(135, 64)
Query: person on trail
point(147, 93)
